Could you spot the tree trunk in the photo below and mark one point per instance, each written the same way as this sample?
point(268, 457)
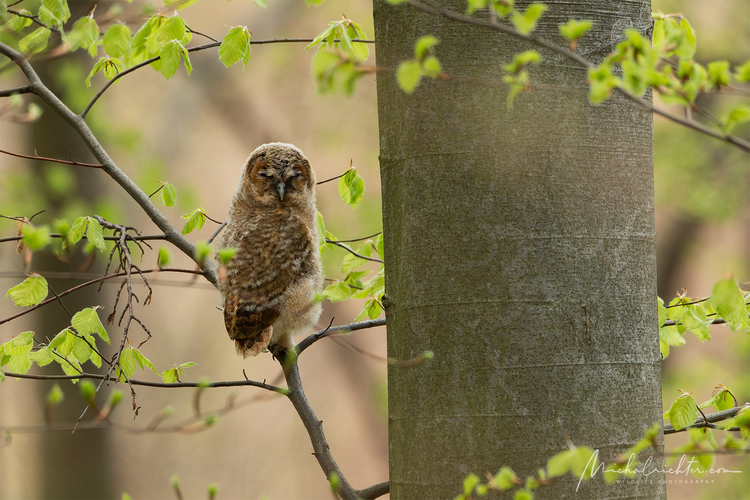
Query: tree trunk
point(520, 246)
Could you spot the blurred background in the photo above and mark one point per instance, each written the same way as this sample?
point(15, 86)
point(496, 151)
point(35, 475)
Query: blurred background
point(195, 132)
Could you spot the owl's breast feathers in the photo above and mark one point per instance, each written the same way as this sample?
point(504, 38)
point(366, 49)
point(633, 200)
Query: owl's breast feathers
point(274, 250)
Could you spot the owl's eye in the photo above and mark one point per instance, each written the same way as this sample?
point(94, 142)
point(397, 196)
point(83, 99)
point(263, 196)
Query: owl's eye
point(265, 175)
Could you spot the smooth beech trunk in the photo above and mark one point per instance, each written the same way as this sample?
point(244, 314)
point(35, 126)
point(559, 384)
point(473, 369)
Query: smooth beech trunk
point(520, 248)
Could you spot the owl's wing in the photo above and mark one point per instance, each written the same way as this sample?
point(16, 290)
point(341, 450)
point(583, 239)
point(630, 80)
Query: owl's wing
point(269, 259)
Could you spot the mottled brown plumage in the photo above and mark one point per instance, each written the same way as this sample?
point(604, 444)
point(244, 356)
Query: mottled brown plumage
point(269, 285)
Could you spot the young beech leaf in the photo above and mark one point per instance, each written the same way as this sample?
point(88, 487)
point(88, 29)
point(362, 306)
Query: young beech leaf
point(163, 257)
point(143, 361)
point(169, 376)
point(94, 234)
point(84, 34)
point(35, 238)
point(236, 46)
point(83, 348)
point(19, 364)
point(76, 232)
point(225, 255)
point(683, 412)
point(408, 76)
point(195, 220)
point(20, 345)
point(736, 116)
point(117, 40)
point(42, 357)
point(351, 188)
point(58, 8)
point(29, 292)
point(742, 73)
point(338, 291)
point(55, 396)
point(34, 42)
point(172, 28)
point(525, 22)
point(202, 251)
point(730, 304)
point(87, 321)
point(573, 30)
point(168, 195)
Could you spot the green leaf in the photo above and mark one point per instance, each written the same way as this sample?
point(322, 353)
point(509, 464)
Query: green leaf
point(17, 23)
point(195, 220)
point(55, 395)
point(225, 255)
point(738, 115)
point(659, 35)
point(36, 238)
point(408, 75)
point(573, 30)
point(94, 234)
point(143, 361)
point(117, 40)
point(19, 364)
point(683, 412)
point(67, 345)
point(172, 29)
point(351, 188)
point(583, 462)
point(127, 362)
point(235, 46)
point(58, 8)
point(742, 73)
point(87, 321)
point(163, 257)
point(48, 18)
point(85, 34)
point(170, 59)
point(168, 195)
point(82, 350)
point(526, 23)
point(523, 494)
point(188, 364)
point(424, 45)
point(42, 357)
point(2, 375)
point(3, 13)
point(59, 339)
point(559, 464)
point(70, 366)
point(29, 292)
point(521, 60)
point(202, 251)
point(337, 292)
point(34, 42)
point(76, 232)
point(20, 345)
point(169, 376)
point(730, 304)
point(689, 33)
point(470, 481)
point(718, 73)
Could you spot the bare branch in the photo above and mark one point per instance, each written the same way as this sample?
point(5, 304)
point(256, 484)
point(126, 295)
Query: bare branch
point(110, 238)
point(42, 158)
point(24, 89)
point(92, 282)
point(176, 385)
point(311, 339)
point(339, 244)
point(374, 491)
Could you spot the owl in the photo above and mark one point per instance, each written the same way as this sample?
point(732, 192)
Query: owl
point(269, 286)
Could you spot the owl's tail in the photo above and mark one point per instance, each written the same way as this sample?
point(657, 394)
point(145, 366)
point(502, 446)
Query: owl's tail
point(253, 346)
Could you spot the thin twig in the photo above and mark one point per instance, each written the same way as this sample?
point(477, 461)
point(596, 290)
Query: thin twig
point(176, 385)
point(360, 239)
point(24, 89)
point(338, 244)
point(312, 338)
point(93, 282)
point(55, 160)
point(710, 418)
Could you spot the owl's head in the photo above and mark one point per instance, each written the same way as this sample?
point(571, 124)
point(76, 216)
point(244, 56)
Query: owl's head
point(278, 174)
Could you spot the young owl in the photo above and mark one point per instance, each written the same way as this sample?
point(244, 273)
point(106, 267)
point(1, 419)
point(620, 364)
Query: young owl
point(269, 286)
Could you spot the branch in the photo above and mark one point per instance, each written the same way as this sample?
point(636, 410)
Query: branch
point(148, 237)
point(434, 9)
point(314, 427)
point(42, 158)
point(25, 89)
point(92, 282)
point(339, 244)
point(176, 385)
point(108, 165)
point(374, 491)
point(311, 339)
point(194, 49)
point(710, 418)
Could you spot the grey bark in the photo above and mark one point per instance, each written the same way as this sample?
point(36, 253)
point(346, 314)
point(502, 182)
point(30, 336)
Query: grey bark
point(520, 247)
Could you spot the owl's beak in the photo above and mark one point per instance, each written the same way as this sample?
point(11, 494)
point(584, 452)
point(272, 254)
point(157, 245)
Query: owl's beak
point(280, 189)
